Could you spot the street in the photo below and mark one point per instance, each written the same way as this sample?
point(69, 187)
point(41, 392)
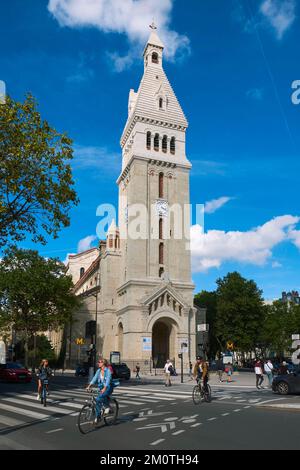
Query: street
point(151, 417)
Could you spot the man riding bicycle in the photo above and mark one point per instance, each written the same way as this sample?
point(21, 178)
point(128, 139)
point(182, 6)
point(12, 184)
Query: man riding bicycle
point(103, 378)
point(201, 371)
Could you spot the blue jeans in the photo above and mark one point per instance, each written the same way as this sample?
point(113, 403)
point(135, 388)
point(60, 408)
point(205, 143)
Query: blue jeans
point(270, 378)
point(102, 399)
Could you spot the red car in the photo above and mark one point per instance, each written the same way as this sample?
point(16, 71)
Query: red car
point(14, 372)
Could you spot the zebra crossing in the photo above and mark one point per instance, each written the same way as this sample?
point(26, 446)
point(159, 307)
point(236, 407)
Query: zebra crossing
point(17, 410)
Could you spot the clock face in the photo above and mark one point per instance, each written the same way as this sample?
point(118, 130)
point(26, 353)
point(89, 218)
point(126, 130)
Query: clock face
point(162, 208)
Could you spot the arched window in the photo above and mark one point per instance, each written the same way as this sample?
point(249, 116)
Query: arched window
point(161, 273)
point(172, 146)
point(81, 272)
point(155, 58)
point(161, 103)
point(161, 227)
point(148, 140)
point(161, 253)
point(165, 144)
point(161, 185)
point(156, 142)
point(111, 242)
point(117, 243)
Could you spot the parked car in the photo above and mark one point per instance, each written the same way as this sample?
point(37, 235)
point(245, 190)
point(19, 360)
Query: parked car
point(121, 371)
point(82, 371)
point(14, 372)
point(286, 384)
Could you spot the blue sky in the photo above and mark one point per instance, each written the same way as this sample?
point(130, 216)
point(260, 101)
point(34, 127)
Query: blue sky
point(232, 64)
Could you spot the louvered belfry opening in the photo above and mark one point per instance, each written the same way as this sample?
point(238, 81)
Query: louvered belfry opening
point(161, 185)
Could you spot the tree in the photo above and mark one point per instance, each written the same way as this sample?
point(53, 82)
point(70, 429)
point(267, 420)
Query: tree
point(208, 300)
point(240, 312)
point(35, 294)
point(36, 186)
point(281, 322)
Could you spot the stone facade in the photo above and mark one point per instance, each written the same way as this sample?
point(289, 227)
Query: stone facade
point(139, 288)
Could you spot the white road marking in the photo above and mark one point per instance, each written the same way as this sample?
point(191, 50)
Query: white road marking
point(177, 432)
point(10, 421)
point(225, 414)
point(195, 425)
point(238, 409)
point(157, 442)
point(52, 409)
point(54, 430)
point(211, 419)
point(22, 411)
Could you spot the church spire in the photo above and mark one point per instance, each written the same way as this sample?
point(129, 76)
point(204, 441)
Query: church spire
point(153, 52)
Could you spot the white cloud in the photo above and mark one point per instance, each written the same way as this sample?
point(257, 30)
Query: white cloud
point(276, 264)
point(211, 249)
point(215, 204)
point(100, 158)
point(86, 243)
point(255, 94)
point(281, 14)
point(294, 235)
point(129, 17)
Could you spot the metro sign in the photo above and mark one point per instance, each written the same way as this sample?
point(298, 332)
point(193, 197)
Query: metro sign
point(79, 341)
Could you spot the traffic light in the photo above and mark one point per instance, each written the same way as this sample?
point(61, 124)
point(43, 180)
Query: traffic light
point(180, 355)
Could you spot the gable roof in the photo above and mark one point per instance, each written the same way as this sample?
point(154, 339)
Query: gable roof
point(163, 289)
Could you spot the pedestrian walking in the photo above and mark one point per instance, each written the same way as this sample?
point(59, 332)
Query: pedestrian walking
point(169, 369)
point(258, 369)
point(220, 369)
point(269, 370)
point(229, 371)
point(137, 370)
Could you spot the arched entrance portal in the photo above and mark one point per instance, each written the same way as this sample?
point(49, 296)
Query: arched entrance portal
point(163, 341)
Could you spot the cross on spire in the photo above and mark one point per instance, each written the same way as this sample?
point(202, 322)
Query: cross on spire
point(153, 25)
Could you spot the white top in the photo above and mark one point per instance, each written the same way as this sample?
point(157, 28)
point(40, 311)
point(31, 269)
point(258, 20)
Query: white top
point(258, 370)
point(166, 367)
point(268, 367)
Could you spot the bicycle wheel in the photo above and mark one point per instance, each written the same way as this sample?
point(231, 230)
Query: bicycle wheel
point(86, 419)
point(207, 393)
point(43, 397)
point(197, 398)
point(111, 418)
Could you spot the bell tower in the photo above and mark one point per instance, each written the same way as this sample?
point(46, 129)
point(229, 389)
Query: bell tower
point(154, 197)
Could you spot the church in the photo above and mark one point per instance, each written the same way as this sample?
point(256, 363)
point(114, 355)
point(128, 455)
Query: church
point(137, 290)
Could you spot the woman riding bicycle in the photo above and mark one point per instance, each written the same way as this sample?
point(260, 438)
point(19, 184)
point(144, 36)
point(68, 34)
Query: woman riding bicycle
point(43, 373)
point(103, 377)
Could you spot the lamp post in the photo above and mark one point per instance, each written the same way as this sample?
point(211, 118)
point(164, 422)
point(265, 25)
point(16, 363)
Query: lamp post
point(96, 321)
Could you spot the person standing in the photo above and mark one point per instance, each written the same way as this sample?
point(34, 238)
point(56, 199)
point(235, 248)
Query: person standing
point(268, 368)
point(137, 369)
point(283, 370)
point(168, 369)
point(259, 374)
point(229, 371)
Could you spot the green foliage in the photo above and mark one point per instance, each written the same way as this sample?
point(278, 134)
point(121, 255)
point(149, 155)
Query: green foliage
point(42, 350)
point(36, 186)
point(240, 312)
point(35, 293)
point(282, 321)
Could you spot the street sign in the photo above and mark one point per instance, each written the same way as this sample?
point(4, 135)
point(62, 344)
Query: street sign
point(295, 337)
point(184, 345)
point(79, 341)
point(230, 345)
point(202, 327)
point(147, 344)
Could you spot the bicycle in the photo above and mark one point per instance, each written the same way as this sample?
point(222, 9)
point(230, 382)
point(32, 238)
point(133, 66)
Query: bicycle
point(44, 392)
point(87, 418)
point(201, 392)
